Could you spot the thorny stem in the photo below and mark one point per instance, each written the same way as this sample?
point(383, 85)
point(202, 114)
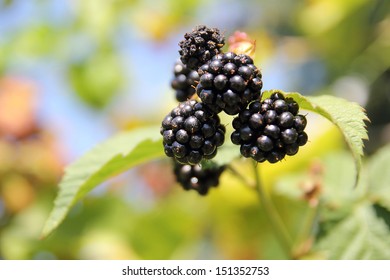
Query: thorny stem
point(274, 217)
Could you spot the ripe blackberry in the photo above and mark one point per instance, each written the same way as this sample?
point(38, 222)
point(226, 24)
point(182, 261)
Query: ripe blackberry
point(194, 177)
point(191, 133)
point(200, 46)
point(270, 130)
point(229, 82)
point(184, 82)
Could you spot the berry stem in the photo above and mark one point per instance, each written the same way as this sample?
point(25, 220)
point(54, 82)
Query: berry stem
point(276, 221)
point(239, 176)
point(306, 233)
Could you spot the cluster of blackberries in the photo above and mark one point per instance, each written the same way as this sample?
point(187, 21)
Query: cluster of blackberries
point(192, 133)
point(229, 82)
point(270, 130)
point(194, 177)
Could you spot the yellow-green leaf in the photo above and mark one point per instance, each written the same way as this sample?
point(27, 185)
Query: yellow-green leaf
point(361, 235)
point(110, 158)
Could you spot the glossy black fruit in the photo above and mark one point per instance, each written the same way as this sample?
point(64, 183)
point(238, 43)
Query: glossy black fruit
point(194, 177)
point(270, 130)
point(191, 132)
point(229, 82)
point(184, 81)
point(200, 45)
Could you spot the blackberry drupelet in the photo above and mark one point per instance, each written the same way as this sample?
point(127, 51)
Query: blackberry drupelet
point(200, 46)
point(184, 82)
point(194, 177)
point(191, 133)
point(270, 130)
point(229, 82)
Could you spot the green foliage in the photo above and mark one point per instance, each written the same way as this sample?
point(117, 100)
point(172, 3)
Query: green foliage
point(351, 226)
point(129, 149)
point(116, 155)
point(175, 224)
point(379, 177)
point(347, 223)
point(348, 116)
point(352, 223)
point(362, 235)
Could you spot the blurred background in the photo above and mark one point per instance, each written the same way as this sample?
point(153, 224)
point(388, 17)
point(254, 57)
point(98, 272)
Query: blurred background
point(72, 73)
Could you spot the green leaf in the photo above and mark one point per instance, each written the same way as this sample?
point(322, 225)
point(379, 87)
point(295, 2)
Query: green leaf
point(379, 177)
point(362, 235)
point(348, 116)
point(110, 158)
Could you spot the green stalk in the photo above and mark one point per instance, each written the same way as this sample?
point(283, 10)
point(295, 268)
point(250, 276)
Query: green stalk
point(276, 222)
point(239, 176)
point(306, 230)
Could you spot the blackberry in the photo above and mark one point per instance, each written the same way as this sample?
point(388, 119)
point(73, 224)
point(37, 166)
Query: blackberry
point(270, 130)
point(194, 177)
point(229, 82)
point(200, 46)
point(191, 133)
point(184, 82)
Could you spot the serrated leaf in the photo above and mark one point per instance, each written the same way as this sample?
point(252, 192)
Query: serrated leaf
point(348, 116)
point(379, 177)
point(110, 158)
point(362, 235)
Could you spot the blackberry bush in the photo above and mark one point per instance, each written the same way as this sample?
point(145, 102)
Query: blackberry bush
point(184, 82)
point(229, 82)
point(194, 177)
point(270, 130)
point(200, 45)
point(266, 131)
point(191, 133)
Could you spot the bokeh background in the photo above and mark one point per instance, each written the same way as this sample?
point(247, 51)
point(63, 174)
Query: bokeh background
point(72, 73)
